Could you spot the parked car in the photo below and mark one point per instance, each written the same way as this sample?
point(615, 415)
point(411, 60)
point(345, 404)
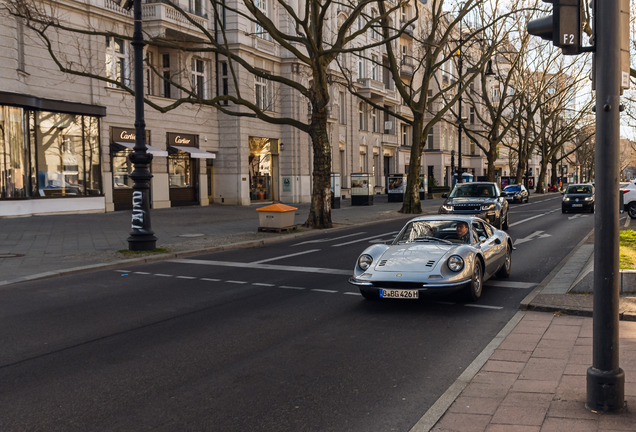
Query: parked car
point(516, 193)
point(629, 198)
point(481, 199)
point(578, 197)
point(434, 255)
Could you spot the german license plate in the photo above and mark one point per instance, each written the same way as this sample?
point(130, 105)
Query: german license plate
point(577, 205)
point(399, 294)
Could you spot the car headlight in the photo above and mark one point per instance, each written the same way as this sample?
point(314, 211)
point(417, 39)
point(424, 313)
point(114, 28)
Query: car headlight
point(488, 206)
point(447, 207)
point(566, 199)
point(364, 262)
point(588, 198)
point(455, 263)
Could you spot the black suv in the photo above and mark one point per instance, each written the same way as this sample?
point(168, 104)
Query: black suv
point(578, 197)
point(481, 199)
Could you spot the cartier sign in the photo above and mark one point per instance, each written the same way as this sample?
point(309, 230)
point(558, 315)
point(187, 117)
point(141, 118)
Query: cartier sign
point(180, 139)
point(127, 135)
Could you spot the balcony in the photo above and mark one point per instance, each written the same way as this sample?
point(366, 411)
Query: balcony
point(372, 89)
point(407, 67)
point(160, 19)
point(404, 111)
point(408, 31)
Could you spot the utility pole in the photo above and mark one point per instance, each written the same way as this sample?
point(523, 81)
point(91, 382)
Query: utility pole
point(460, 178)
point(605, 379)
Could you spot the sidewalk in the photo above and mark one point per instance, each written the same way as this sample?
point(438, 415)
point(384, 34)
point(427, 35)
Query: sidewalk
point(51, 245)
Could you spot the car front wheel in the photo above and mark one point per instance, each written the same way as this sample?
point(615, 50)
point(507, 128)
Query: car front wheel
point(474, 288)
point(631, 210)
point(505, 269)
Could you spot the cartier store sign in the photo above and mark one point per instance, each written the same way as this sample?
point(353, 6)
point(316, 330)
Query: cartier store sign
point(179, 139)
point(126, 135)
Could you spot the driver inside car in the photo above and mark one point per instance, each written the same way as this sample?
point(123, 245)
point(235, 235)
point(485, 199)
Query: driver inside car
point(462, 232)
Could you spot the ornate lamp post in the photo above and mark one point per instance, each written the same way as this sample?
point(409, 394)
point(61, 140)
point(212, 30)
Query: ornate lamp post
point(142, 236)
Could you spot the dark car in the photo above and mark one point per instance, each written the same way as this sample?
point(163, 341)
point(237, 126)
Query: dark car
point(480, 199)
point(516, 193)
point(578, 197)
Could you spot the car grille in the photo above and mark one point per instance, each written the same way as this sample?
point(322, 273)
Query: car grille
point(399, 285)
point(467, 207)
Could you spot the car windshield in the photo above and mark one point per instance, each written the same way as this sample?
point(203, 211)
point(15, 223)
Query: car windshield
point(434, 231)
point(512, 188)
point(579, 189)
point(474, 190)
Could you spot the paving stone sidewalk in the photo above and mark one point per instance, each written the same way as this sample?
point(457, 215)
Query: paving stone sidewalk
point(54, 243)
point(535, 381)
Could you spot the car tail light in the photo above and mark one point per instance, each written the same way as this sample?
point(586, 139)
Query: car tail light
point(624, 191)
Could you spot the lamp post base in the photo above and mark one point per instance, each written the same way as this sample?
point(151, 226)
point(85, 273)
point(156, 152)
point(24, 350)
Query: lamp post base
point(142, 244)
point(605, 390)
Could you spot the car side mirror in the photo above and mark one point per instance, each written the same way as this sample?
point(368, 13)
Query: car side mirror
point(497, 241)
point(482, 239)
point(502, 194)
point(444, 195)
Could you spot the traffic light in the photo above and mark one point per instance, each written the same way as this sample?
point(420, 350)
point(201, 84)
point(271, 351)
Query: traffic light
point(563, 28)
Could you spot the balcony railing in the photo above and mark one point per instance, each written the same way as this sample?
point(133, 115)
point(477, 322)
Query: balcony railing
point(164, 12)
point(407, 67)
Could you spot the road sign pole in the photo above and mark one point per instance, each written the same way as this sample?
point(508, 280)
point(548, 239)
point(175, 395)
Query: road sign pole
point(605, 379)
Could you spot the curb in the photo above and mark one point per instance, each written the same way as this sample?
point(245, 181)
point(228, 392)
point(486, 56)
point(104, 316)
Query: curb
point(194, 252)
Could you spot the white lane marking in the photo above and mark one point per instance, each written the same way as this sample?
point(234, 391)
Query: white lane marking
point(536, 234)
point(285, 256)
point(123, 271)
point(185, 277)
point(263, 284)
point(290, 287)
point(627, 222)
point(578, 215)
point(211, 280)
point(509, 284)
point(329, 239)
point(526, 220)
point(353, 293)
point(164, 275)
point(253, 266)
point(235, 282)
point(324, 290)
point(143, 273)
point(483, 306)
point(364, 239)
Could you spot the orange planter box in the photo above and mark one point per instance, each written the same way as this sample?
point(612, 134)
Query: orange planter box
point(276, 216)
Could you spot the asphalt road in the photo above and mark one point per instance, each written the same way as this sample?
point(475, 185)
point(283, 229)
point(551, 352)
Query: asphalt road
point(266, 339)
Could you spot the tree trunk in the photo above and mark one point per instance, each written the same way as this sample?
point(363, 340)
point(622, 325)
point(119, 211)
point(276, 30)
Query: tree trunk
point(522, 165)
point(541, 180)
point(491, 157)
point(553, 177)
point(412, 204)
point(320, 210)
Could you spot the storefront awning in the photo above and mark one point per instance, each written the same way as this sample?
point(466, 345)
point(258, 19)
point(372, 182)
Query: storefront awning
point(152, 150)
point(195, 153)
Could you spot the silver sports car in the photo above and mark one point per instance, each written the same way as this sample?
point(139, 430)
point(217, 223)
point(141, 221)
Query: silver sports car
point(434, 255)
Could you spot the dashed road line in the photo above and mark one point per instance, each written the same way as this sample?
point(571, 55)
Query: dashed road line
point(186, 277)
point(352, 293)
point(483, 306)
point(211, 280)
point(290, 287)
point(324, 290)
point(163, 275)
point(123, 271)
point(263, 284)
point(143, 273)
point(235, 282)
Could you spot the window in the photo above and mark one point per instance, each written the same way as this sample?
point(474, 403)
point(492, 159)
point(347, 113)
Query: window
point(430, 139)
point(360, 22)
point(360, 68)
point(197, 67)
point(116, 61)
point(363, 116)
point(165, 65)
point(374, 31)
point(404, 14)
point(374, 120)
point(263, 92)
point(472, 147)
point(343, 110)
point(149, 77)
point(225, 90)
point(405, 135)
point(363, 162)
point(196, 7)
point(472, 115)
point(374, 68)
point(258, 28)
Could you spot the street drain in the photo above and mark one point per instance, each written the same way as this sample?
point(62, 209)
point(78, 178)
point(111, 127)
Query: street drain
point(10, 255)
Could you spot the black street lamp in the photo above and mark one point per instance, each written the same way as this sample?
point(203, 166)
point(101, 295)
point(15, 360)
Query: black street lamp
point(142, 236)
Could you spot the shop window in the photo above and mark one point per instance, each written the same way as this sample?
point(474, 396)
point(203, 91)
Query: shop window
point(260, 169)
point(68, 157)
point(180, 169)
point(116, 61)
point(13, 166)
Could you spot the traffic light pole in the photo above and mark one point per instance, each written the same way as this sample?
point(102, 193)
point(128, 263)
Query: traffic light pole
point(605, 379)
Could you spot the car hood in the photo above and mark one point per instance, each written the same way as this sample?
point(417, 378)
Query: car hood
point(413, 257)
point(469, 200)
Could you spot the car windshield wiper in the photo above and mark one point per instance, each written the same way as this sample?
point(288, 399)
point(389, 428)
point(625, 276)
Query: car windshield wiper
point(431, 238)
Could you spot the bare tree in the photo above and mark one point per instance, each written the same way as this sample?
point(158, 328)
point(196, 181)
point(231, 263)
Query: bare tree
point(314, 34)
